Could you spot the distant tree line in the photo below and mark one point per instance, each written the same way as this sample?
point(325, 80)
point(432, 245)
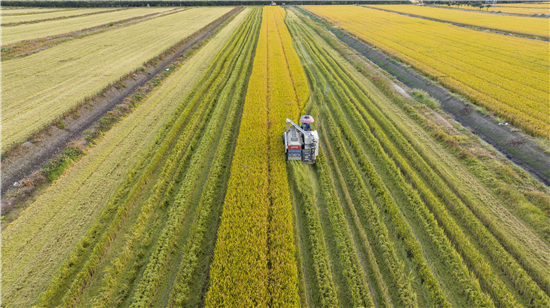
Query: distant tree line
point(141, 3)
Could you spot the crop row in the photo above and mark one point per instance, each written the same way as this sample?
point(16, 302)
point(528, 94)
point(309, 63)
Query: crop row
point(509, 265)
point(505, 261)
point(472, 288)
point(321, 263)
point(254, 256)
point(287, 92)
point(212, 92)
point(194, 250)
point(242, 53)
point(357, 283)
point(425, 174)
point(503, 250)
point(374, 135)
point(365, 205)
point(520, 97)
point(238, 274)
point(103, 230)
point(444, 244)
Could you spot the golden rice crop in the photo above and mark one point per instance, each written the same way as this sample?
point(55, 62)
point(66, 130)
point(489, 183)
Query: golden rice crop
point(256, 228)
point(508, 75)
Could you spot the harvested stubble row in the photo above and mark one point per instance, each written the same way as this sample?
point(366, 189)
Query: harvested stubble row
point(508, 75)
point(254, 262)
point(49, 15)
point(36, 90)
point(217, 102)
point(421, 205)
point(20, 11)
point(66, 210)
point(12, 35)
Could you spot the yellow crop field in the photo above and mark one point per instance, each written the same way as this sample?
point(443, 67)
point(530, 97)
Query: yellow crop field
point(508, 75)
point(515, 24)
point(37, 89)
point(189, 194)
point(254, 262)
point(57, 14)
point(31, 31)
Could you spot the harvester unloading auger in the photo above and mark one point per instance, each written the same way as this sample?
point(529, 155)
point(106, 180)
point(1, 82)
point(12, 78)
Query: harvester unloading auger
point(300, 142)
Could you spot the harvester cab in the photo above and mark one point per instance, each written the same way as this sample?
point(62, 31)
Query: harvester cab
point(301, 143)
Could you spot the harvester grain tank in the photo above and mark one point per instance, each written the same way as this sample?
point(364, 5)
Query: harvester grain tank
point(301, 143)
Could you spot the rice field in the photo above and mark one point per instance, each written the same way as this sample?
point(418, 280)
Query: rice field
point(13, 35)
point(189, 201)
point(508, 75)
point(514, 24)
point(37, 90)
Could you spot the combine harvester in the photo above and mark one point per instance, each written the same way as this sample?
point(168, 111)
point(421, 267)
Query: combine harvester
point(300, 142)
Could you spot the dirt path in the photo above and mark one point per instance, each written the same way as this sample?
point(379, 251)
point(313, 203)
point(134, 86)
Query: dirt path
point(515, 145)
point(32, 156)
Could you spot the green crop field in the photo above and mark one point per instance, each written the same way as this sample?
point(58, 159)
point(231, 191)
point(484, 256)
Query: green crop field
point(188, 199)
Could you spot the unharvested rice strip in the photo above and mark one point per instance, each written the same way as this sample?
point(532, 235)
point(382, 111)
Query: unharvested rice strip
point(12, 24)
point(254, 233)
point(29, 47)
